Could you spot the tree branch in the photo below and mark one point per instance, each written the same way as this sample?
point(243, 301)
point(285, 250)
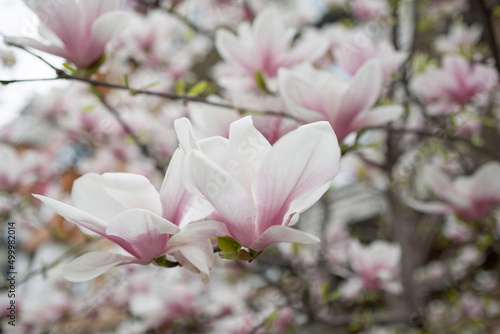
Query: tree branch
point(487, 16)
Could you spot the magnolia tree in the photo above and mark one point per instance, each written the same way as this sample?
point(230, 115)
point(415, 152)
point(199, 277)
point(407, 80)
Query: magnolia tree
point(159, 189)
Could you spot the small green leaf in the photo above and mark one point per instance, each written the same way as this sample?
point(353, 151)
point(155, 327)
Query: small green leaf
point(70, 68)
point(198, 89)
point(261, 83)
point(254, 254)
point(271, 318)
point(180, 87)
point(88, 108)
point(228, 244)
point(228, 255)
point(125, 80)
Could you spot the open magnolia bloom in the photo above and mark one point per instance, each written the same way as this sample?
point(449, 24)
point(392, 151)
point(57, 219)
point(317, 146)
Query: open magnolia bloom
point(127, 210)
point(76, 30)
point(469, 197)
point(266, 46)
point(314, 95)
point(375, 267)
point(256, 188)
point(456, 83)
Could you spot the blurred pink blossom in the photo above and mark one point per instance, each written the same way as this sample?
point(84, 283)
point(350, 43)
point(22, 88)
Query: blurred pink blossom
point(456, 83)
point(313, 95)
point(76, 30)
point(469, 197)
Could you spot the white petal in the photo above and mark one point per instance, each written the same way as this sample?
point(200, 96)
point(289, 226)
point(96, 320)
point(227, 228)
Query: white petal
point(377, 116)
point(76, 215)
point(199, 231)
point(196, 257)
point(361, 95)
point(299, 164)
point(227, 196)
point(93, 264)
point(247, 148)
point(235, 51)
point(276, 234)
point(486, 184)
point(107, 195)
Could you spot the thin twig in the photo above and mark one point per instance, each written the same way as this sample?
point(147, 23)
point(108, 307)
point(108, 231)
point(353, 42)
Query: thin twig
point(7, 82)
point(9, 42)
point(171, 96)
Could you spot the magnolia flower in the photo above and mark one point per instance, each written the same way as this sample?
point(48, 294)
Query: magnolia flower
point(127, 210)
point(469, 197)
point(375, 267)
point(351, 56)
point(459, 38)
point(456, 83)
point(313, 95)
point(256, 188)
point(76, 30)
point(266, 46)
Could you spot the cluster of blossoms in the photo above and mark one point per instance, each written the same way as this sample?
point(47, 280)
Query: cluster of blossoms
point(255, 167)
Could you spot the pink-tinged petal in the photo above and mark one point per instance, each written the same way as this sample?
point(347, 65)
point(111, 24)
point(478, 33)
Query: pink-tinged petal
point(377, 116)
point(442, 187)
point(299, 163)
point(49, 36)
point(486, 77)
point(196, 257)
point(141, 233)
point(64, 19)
point(459, 68)
point(234, 51)
point(302, 99)
point(107, 195)
point(270, 41)
point(310, 48)
point(199, 231)
point(247, 148)
point(185, 134)
point(227, 196)
point(486, 182)
point(103, 30)
point(217, 150)
point(361, 95)
point(174, 197)
point(75, 215)
point(29, 42)
point(277, 234)
point(429, 207)
point(390, 59)
point(93, 264)
point(351, 58)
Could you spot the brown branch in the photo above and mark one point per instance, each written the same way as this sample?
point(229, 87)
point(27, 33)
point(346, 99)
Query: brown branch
point(487, 17)
point(170, 96)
